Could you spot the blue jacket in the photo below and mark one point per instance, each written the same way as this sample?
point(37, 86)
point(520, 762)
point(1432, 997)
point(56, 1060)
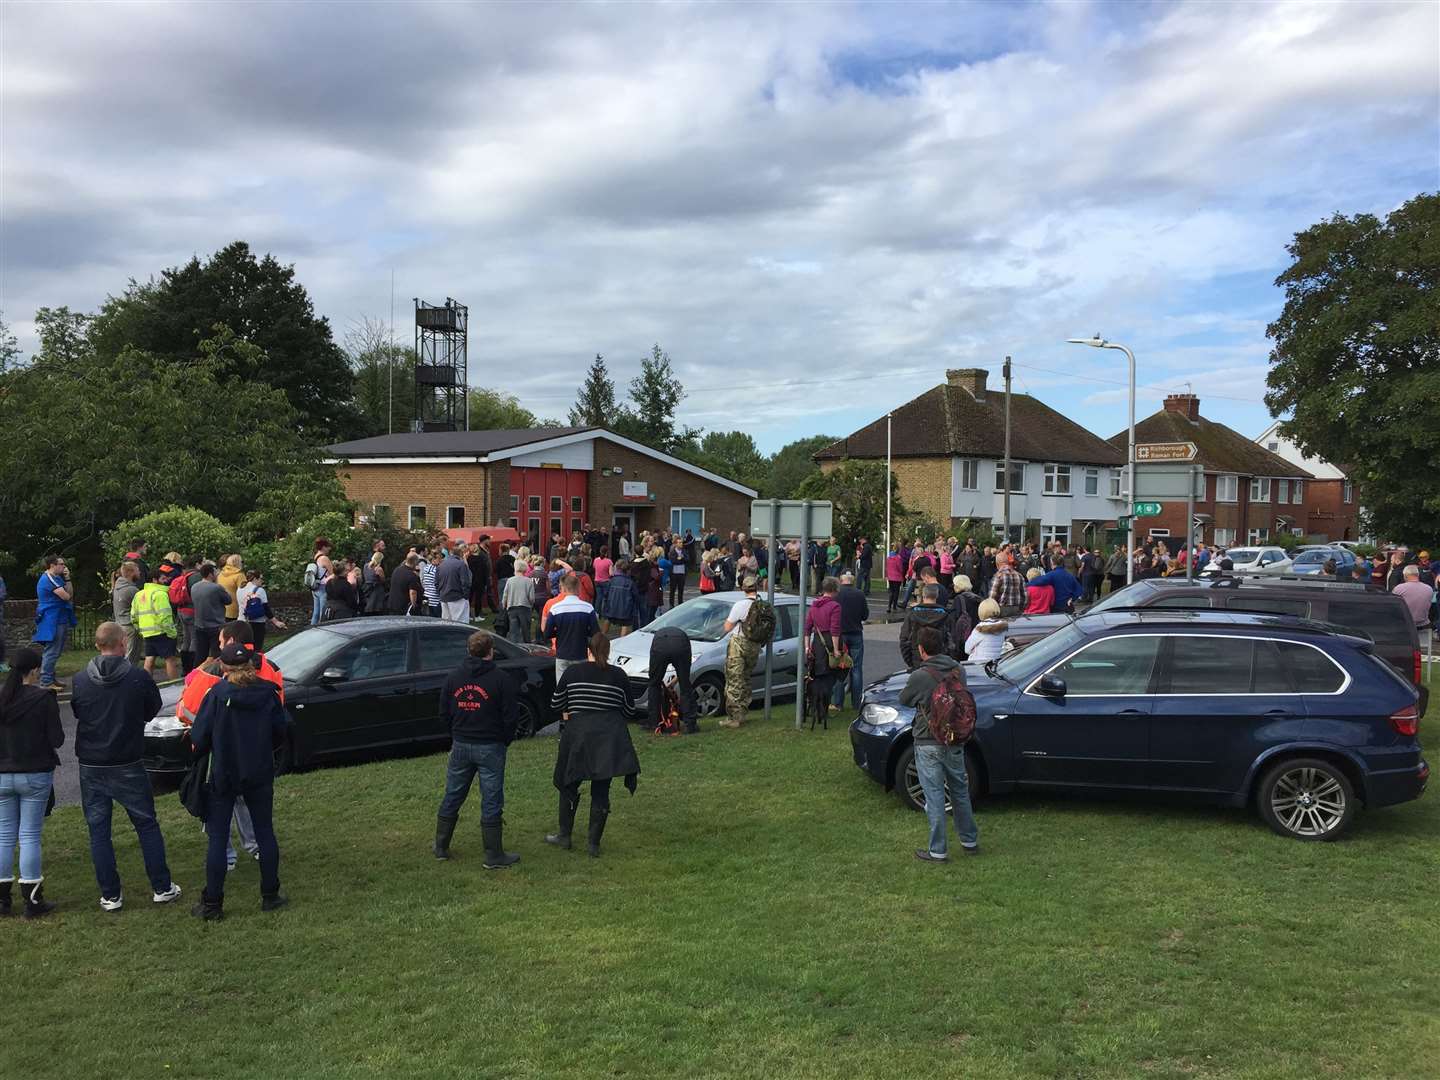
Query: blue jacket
point(240, 726)
point(452, 579)
point(1065, 586)
point(51, 613)
point(621, 600)
point(571, 623)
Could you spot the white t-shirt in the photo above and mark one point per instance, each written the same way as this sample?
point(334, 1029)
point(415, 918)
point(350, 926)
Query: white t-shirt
point(739, 610)
point(245, 592)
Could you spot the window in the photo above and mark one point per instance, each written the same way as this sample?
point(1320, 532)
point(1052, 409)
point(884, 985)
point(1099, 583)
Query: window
point(1092, 481)
point(1383, 623)
point(1181, 602)
point(1270, 605)
point(687, 517)
point(1259, 536)
point(1056, 532)
point(1117, 665)
point(1347, 491)
point(1282, 491)
point(1159, 532)
point(533, 502)
point(1260, 489)
point(1209, 665)
point(1269, 675)
point(443, 650)
point(970, 474)
point(575, 524)
point(455, 517)
point(374, 657)
point(1017, 476)
point(555, 524)
point(1297, 531)
point(1273, 444)
point(1227, 488)
point(514, 504)
point(381, 507)
point(417, 515)
point(1224, 537)
point(556, 503)
point(1299, 496)
point(577, 504)
point(1115, 477)
point(1057, 479)
point(515, 524)
point(1312, 671)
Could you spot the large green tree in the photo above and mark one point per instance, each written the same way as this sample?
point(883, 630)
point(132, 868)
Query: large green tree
point(655, 394)
point(595, 404)
point(9, 349)
point(495, 410)
point(792, 464)
point(733, 454)
point(259, 300)
point(1356, 358)
point(857, 488)
point(384, 374)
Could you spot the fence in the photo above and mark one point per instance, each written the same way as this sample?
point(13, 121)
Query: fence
point(19, 619)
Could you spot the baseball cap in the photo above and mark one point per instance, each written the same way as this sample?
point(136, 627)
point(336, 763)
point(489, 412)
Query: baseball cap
point(750, 581)
point(235, 654)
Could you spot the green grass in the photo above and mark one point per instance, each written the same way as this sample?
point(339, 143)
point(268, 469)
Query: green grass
point(757, 913)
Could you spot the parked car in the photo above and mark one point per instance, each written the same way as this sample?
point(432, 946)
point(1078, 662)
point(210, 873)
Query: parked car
point(1313, 561)
point(1251, 560)
point(702, 618)
point(1289, 716)
point(354, 684)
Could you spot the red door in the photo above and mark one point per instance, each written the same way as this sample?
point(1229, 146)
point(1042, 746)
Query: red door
point(547, 501)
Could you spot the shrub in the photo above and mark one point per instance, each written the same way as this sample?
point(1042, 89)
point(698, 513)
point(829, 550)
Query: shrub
point(178, 528)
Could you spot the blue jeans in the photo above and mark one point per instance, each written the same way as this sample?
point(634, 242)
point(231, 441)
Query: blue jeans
point(260, 800)
point(50, 655)
point(855, 645)
point(22, 814)
point(100, 787)
point(317, 606)
point(466, 760)
point(936, 765)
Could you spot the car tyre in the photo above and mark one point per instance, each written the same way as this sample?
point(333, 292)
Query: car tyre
point(1306, 799)
point(283, 757)
point(709, 695)
point(907, 781)
point(529, 722)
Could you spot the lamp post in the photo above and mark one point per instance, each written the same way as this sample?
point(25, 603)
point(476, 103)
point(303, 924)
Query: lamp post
point(1097, 342)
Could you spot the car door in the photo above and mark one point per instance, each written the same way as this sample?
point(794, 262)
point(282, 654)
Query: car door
point(367, 698)
point(440, 650)
point(787, 641)
point(1220, 701)
point(1097, 734)
point(534, 678)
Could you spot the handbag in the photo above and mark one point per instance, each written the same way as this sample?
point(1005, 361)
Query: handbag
point(195, 788)
point(501, 623)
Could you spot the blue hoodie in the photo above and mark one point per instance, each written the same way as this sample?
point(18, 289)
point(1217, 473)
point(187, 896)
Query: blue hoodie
point(1066, 587)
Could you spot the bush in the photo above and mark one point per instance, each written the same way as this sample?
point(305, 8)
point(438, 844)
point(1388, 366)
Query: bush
point(178, 528)
point(292, 553)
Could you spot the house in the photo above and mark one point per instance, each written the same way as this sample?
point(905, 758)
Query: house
point(1250, 494)
point(1331, 510)
point(538, 481)
point(947, 449)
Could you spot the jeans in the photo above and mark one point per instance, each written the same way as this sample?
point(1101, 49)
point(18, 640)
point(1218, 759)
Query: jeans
point(261, 800)
point(662, 658)
point(519, 629)
point(855, 645)
point(906, 592)
point(22, 814)
point(50, 654)
point(599, 796)
point(317, 607)
point(100, 787)
point(864, 576)
point(466, 760)
point(677, 588)
point(936, 765)
point(894, 602)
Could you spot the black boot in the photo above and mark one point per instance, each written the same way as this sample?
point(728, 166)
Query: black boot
point(496, 857)
point(567, 825)
point(597, 829)
point(273, 901)
point(208, 909)
point(6, 905)
point(444, 830)
point(35, 903)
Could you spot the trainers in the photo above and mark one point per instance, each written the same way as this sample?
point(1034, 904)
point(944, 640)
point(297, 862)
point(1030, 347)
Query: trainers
point(229, 861)
point(168, 895)
point(111, 903)
point(970, 850)
point(924, 855)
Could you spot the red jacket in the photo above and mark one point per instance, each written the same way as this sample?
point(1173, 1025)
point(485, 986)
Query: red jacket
point(199, 682)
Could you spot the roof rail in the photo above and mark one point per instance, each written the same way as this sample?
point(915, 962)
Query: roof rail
point(1313, 581)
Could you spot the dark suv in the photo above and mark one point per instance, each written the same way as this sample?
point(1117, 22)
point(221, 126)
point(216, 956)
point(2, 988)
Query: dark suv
point(1298, 719)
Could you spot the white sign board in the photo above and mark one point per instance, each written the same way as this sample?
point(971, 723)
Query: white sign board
point(790, 519)
point(1166, 482)
point(635, 489)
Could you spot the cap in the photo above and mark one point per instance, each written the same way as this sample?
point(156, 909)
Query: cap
point(235, 654)
point(750, 581)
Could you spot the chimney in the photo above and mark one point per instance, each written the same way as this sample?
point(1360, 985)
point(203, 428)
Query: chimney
point(1187, 405)
point(971, 379)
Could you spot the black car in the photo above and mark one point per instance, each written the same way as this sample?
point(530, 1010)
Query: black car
point(1297, 719)
point(355, 684)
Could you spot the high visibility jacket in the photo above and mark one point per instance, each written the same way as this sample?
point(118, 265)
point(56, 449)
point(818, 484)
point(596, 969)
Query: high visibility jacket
point(150, 612)
point(199, 682)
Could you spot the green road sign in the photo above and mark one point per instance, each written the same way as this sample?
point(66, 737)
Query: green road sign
point(1147, 509)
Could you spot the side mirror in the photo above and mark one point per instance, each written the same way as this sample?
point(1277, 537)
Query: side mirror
point(332, 675)
point(1052, 686)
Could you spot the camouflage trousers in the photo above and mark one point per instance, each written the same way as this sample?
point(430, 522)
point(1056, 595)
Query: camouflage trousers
point(739, 664)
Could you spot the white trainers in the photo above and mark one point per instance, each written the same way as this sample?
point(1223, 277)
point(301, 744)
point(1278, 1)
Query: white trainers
point(111, 903)
point(168, 895)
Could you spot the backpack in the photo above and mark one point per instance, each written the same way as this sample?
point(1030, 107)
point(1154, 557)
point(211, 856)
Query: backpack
point(957, 631)
point(952, 710)
point(314, 576)
point(759, 624)
point(254, 608)
point(179, 591)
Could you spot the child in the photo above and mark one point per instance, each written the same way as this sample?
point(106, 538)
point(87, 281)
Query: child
point(1039, 598)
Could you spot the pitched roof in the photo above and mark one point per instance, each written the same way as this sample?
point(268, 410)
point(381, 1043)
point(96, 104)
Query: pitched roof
point(1217, 447)
point(437, 443)
point(948, 420)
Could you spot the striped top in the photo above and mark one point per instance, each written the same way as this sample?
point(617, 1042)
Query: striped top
point(427, 583)
point(588, 687)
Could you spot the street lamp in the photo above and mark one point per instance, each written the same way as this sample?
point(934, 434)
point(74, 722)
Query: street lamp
point(1097, 342)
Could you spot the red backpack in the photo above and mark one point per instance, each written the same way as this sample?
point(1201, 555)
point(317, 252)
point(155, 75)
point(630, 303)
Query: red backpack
point(180, 591)
point(952, 710)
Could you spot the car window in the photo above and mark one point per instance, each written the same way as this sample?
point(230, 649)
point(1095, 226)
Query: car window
point(1383, 622)
point(1028, 661)
point(442, 650)
point(1272, 605)
point(1118, 665)
point(1269, 675)
point(1242, 555)
point(1132, 595)
point(1310, 669)
point(1271, 557)
point(1209, 665)
point(786, 614)
point(1181, 602)
point(300, 656)
point(375, 656)
point(700, 620)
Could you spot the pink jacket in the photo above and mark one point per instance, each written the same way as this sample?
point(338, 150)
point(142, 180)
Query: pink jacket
point(893, 570)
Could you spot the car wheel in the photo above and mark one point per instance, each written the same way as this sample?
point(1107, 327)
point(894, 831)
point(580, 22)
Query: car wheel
point(709, 695)
point(1306, 799)
point(283, 757)
point(907, 780)
point(529, 722)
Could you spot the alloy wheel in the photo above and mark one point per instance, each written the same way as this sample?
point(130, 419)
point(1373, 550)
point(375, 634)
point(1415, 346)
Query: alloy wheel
point(1308, 801)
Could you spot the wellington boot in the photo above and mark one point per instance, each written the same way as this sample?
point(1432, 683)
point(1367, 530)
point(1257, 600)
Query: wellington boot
point(36, 905)
point(561, 837)
point(6, 903)
point(208, 909)
point(444, 830)
point(597, 830)
point(496, 857)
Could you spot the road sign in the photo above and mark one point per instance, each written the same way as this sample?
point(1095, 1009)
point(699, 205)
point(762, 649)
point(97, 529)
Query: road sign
point(1166, 481)
point(1147, 509)
point(790, 519)
point(1165, 451)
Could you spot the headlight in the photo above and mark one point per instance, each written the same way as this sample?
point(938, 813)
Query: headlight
point(165, 725)
point(880, 715)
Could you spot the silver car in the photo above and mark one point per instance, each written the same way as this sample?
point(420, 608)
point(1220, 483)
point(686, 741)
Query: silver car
point(703, 621)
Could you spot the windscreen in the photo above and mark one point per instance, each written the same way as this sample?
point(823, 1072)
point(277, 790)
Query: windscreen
point(700, 620)
point(300, 657)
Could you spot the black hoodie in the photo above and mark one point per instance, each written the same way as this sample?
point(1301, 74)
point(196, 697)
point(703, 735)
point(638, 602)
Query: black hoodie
point(113, 701)
point(480, 703)
point(30, 731)
point(240, 726)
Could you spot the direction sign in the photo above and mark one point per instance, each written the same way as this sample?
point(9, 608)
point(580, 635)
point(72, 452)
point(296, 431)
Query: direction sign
point(1147, 509)
point(1165, 451)
point(789, 521)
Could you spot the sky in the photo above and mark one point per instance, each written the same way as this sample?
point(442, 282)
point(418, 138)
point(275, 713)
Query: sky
point(814, 208)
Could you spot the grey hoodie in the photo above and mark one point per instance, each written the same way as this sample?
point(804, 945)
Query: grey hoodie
point(121, 596)
point(918, 688)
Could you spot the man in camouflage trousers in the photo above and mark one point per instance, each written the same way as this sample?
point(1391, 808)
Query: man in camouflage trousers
point(740, 657)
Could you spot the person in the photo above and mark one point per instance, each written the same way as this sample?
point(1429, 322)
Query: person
point(1008, 588)
point(822, 633)
point(570, 623)
point(342, 598)
point(230, 578)
point(429, 573)
point(123, 588)
point(987, 570)
point(741, 654)
point(136, 553)
point(240, 723)
point(317, 572)
point(112, 702)
point(1418, 597)
point(670, 647)
point(832, 558)
point(622, 602)
point(254, 604)
point(678, 559)
point(30, 733)
point(928, 612)
point(936, 764)
point(406, 592)
point(452, 585)
point(154, 620)
point(54, 616)
point(1066, 589)
point(478, 560)
point(518, 600)
point(987, 641)
point(1038, 598)
point(1427, 568)
point(864, 563)
point(603, 568)
point(854, 610)
point(1092, 570)
point(595, 705)
point(210, 602)
point(374, 593)
point(179, 581)
point(482, 708)
point(1115, 568)
point(1395, 572)
point(967, 598)
point(894, 575)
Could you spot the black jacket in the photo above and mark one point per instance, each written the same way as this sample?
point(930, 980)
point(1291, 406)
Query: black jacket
point(341, 599)
point(113, 701)
point(480, 703)
point(854, 609)
point(402, 580)
point(30, 731)
point(918, 616)
point(240, 726)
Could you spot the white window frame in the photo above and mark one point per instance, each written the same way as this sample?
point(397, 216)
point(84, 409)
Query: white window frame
point(1092, 481)
point(1258, 536)
point(970, 474)
point(1054, 474)
point(1160, 532)
point(676, 519)
point(1049, 533)
point(1297, 493)
point(1224, 537)
point(1260, 489)
point(378, 507)
point(1282, 491)
point(1117, 480)
point(1295, 530)
point(414, 518)
point(1227, 482)
point(1015, 467)
point(1347, 492)
point(455, 506)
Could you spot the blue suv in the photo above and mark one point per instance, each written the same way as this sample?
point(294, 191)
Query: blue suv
point(1296, 718)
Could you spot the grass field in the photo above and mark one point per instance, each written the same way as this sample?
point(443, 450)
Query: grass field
point(757, 913)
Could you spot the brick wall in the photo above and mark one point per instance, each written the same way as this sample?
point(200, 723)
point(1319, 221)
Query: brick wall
point(725, 509)
point(1326, 514)
point(924, 485)
point(434, 487)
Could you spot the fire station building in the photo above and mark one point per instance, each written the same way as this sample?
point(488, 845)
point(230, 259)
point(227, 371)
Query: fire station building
point(538, 481)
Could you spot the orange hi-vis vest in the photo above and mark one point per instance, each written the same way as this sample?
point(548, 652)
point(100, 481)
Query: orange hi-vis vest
point(199, 682)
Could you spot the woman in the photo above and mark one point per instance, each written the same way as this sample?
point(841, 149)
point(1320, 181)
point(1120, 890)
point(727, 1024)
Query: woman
point(648, 587)
point(255, 608)
point(987, 641)
point(240, 723)
point(1038, 598)
point(604, 566)
point(323, 570)
point(707, 571)
point(1115, 569)
point(596, 707)
point(30, 733)
point(230, 578)
point(374, 591)
point(518, 601)
point(123, 588)
point(894, 574)
point(342, 599)
point(677, 573)
point(622, 604)
point(966, 596)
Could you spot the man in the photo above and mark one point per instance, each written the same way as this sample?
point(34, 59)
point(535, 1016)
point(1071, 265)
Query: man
point(1067, 589)
point(1427, 568)
point(113, 701)
point(406, 592)
point(183, 602)
point(670, 647)
point(935, 763)
point(478, 562)
point(481, 706)
point(740, 656)
point(1202, 557)
point(1395, 572)
point(927, 613)
point(452, 585)
point(122, 597)
point(1008, 588)
point(54, 616)
point(429, 572)
point(864, 564)
point(929, 576)
point(570, 623)
point(1418, 598)
point(154, 621)
point(854, 610)
point(210, 600)
point(987, 571)
point(136, 554)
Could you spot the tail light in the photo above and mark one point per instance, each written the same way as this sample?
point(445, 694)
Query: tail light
point(1406, 721)
point(1419, 676)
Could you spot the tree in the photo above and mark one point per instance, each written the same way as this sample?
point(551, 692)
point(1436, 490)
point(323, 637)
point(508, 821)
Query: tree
point(655, 394)
point(495, 410)
point(732, 454)
point(260, 301)
point(63, 335)
point(9, 349)
point(176, 528)
point(792, 464)
point(384, 378)
point(857, 488)
point(595, 404)
point(1356, 358)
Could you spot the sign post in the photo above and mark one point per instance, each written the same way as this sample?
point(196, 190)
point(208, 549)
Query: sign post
point(770, 576)
point(800, 617)
point(1171, 451)
point(1190, 531)
point(1147, 509)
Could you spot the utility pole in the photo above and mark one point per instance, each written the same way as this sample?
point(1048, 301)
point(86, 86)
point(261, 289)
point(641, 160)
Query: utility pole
point(888, 483)
point(390, 367)
point(1006, 370)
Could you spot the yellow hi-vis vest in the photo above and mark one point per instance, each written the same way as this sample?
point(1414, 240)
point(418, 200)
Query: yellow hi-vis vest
point(150, 612)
